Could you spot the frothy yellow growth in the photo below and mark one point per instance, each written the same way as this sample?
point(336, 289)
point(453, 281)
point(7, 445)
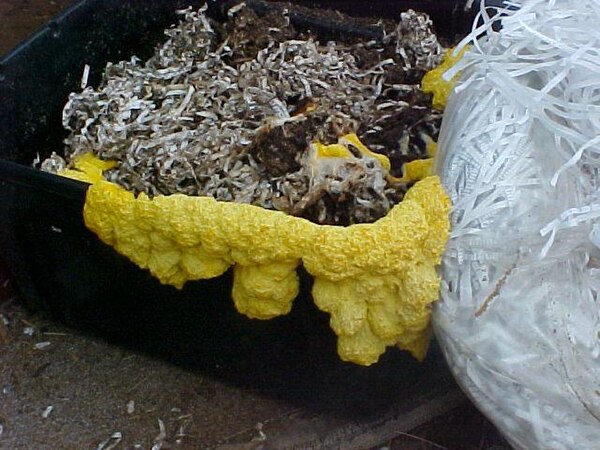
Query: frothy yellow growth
point(434, 83)
point(332, 151)
point(431, 148)
point(376, 280)
point(417, 170)
point(88, 168)
point(352, 139)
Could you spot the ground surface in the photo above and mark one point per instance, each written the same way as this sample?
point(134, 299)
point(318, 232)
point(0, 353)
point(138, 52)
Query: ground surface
point(64, 389)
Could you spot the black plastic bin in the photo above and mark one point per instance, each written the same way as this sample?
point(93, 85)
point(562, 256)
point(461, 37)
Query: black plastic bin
point(60, 266)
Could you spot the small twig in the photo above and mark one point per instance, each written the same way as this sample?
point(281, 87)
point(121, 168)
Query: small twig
point(418, 438)
point(495, 293)
point(136, 385)
point(252, 429)
point(40, 370)
point(4, 337)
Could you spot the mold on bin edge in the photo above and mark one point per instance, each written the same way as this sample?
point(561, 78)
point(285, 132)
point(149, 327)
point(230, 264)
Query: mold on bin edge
point(56, 262)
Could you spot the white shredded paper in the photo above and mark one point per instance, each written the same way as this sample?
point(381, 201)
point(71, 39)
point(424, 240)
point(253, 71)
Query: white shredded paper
point(209, 116)
point(42, 345)
point(159, 440)
point(84, 76)
point(47, 411)
point(110, 443)
point(519, 154)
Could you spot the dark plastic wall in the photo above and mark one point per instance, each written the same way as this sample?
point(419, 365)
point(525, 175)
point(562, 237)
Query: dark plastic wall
point(61, 266)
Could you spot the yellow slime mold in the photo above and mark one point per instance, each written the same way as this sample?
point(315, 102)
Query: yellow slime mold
point(434, 83)
point(377, 280)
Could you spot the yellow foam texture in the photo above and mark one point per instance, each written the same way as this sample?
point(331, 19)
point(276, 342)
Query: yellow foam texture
point(417, 170)
point(420, 168)
point(434, 83)
point(377, 281)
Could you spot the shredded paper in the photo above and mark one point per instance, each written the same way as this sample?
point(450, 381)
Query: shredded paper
point(519, 155)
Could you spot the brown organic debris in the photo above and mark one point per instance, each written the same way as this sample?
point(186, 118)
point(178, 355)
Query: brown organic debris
point(230, 111)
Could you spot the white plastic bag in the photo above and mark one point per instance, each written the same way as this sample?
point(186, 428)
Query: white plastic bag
point(519, 154)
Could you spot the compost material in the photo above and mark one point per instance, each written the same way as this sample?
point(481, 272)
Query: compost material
point(235, 110)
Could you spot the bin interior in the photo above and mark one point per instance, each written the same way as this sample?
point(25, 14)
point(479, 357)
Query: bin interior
point(63, 268)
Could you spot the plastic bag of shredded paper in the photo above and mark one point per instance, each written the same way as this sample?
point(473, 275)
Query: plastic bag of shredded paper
point(519, 154)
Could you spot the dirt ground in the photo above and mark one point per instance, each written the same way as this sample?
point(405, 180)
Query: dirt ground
point(62, 388)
